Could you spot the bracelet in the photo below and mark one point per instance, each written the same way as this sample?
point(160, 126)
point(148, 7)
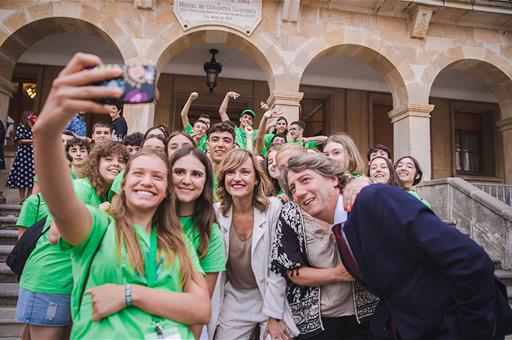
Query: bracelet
point(128, 299)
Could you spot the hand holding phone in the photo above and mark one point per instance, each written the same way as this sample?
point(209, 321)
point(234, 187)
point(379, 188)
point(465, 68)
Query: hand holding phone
point(137, 83)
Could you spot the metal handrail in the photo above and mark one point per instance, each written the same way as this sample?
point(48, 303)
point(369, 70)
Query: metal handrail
point(503, 192)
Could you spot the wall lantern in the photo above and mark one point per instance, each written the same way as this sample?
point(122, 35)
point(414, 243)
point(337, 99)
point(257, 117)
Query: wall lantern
point(212, 69)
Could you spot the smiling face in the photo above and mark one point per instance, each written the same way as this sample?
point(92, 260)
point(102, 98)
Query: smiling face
point(316, 194)
point(145, 185)
point(281, 125)
point(188, 178)
point(272, 168)
point(154, 144)
point(337, 153)
point(240, 182)
point(199, 128)
point(379, 170)
point(406, 170)
point(110, 167)
point(296, 131)
point(219, 143)
point(176, 143)
point(79, 155)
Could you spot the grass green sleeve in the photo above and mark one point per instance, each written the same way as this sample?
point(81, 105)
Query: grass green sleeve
point(215, 259)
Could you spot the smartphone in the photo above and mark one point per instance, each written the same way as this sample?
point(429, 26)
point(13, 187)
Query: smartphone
point(137, 83)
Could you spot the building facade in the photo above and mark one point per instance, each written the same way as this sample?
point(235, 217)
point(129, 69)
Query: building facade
point(431, 78)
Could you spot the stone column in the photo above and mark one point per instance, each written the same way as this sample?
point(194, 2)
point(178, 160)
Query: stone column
point(505, 126)
point(411, 129)
point(286, 101)
point(7, 90)
point(139, 117)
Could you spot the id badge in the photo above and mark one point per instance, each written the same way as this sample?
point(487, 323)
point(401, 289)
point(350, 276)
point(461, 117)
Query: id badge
point(171, 333)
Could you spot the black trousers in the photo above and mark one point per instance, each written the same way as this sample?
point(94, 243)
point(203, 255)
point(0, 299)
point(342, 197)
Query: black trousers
point(344, 328)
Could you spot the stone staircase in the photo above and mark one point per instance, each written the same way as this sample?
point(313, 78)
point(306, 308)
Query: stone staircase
point(9, 329)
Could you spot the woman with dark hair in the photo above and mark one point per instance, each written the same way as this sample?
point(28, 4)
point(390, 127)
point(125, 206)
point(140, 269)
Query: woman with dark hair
point(410, 174)
point(381, 170)
point(177, 140)
point(249, 295)
point(22, 172)
point(161, 130)
point(192, 178)
point(135, 275)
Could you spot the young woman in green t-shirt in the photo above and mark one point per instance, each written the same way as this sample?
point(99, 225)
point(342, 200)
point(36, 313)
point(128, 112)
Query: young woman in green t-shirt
point(46, 282)
point(192, 178)
point(134, 266)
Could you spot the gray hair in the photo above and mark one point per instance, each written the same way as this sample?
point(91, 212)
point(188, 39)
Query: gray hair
point(319, 163)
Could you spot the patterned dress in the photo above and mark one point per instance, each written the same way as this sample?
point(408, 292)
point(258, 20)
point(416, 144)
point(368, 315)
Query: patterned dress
point(22, 171)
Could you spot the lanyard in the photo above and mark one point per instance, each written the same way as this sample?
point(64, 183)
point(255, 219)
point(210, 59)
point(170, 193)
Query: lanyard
point(150, 263)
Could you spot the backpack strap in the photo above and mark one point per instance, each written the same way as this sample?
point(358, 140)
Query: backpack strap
point(89, 271)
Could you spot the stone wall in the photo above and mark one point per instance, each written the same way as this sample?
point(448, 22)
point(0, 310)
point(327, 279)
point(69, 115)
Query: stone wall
point(484, 218)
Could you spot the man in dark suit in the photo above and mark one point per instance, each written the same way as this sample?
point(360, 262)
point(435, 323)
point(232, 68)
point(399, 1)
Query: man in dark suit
point(433, 281)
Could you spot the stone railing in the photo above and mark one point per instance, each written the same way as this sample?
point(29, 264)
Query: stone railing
point(503, 192)
point(485, 219)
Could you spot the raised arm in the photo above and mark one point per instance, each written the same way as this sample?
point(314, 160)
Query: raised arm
point(259, 141)
point(184, 112)
point(70, 93)
point(317, 139)
point(224, 106)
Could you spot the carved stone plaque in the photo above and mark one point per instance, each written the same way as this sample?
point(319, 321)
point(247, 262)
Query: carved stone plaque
point(241, 15)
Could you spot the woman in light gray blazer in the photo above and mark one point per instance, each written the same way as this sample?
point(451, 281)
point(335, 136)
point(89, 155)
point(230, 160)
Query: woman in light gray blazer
point(248, 295)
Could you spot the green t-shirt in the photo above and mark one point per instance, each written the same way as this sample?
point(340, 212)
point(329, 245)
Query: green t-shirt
point(108, 267)
point(201, 145)
point(115, 188)
point(241, 138)
point(215, 259)
point(34, 209)
point(48, 268)
point(266, 143)
point(306, 145)
point(86, 193)
point(415, 194)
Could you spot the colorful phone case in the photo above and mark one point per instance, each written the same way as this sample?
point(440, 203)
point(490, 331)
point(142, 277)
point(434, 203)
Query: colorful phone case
point(137, 83)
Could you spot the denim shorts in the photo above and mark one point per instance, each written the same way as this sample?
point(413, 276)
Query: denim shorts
point(43, 309)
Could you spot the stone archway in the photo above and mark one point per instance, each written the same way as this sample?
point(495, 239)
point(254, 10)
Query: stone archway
point(173, 40)
point(28, 25)
point(371, 51)
point(493, 71)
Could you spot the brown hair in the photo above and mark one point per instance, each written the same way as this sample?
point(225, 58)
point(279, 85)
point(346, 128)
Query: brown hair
point(356, 163)
point(203, 208)
point(233, 160)
point(99, 151)
point(76, 141)
point(226, 126)
point(419, 173)
point(393, 176)
point(169, 232)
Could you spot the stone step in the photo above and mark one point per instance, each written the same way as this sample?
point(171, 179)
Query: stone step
point(5, 250)
point(8, 221)
point(8, 294)
point(6, 274)
point(451, 222)
point(8, 236)
point(9, 328)
point(10, 209)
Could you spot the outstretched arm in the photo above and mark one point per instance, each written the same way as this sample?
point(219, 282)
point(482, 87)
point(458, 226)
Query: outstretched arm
point(224, 106)
point(184, 112)
point(69, 94)
point(317, 139)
